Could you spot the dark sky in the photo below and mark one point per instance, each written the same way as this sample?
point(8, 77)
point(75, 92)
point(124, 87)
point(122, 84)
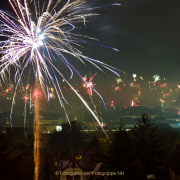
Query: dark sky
point(146, 32)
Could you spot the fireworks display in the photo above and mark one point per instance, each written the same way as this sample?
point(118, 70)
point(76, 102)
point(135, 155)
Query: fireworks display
point(156, 78)
point(118, 80)
point(134, 76)
point(89, 88)
point(39, 37)
point(88, 85)
point(65, 103)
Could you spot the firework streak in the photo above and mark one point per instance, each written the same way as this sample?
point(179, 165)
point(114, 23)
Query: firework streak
point(37, 35)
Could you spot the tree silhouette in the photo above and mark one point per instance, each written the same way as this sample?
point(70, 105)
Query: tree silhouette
point(147, 145)
point(67, 140)
point(120, 155)
point(12, 165)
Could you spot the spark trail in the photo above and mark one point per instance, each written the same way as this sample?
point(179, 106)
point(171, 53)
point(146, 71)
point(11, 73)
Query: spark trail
point(39, 37)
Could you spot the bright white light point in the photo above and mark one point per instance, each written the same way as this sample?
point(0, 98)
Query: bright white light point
point(156, 78)
point(41, 36)
point(40, 43)
point(26, 41)
point(58, 128)
point(134, 75)
point(38, 30)
point(116, 4)
point(35, 45)
point(115, 49)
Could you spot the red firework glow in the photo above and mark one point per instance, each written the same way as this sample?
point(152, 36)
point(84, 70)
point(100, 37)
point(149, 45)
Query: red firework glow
point(37, 93)
point(88, 85)
point(112, 103)
point(25, 97)
point(163, 85)
point(132, 103)
point(117, 88)
point(162, 100)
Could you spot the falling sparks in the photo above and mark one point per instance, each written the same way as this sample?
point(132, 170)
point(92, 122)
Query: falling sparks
point(88, 86)
point(156, 78)
point(43, 36)
point(163, 85)
point(118, 80)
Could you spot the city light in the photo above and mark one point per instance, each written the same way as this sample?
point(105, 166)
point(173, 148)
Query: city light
point(134, 76)
point(58, 128)
point(132, 103)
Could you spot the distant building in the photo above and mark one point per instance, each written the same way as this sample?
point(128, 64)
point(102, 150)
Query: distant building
point(48, 126)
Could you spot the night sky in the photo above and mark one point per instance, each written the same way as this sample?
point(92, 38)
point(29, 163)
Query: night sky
point(147, 36)
point(146, 32)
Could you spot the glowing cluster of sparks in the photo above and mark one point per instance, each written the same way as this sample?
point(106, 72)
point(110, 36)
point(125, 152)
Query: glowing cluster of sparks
point(156, 78)
point(88, 85)
point(119, 80)
point(40, 36)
